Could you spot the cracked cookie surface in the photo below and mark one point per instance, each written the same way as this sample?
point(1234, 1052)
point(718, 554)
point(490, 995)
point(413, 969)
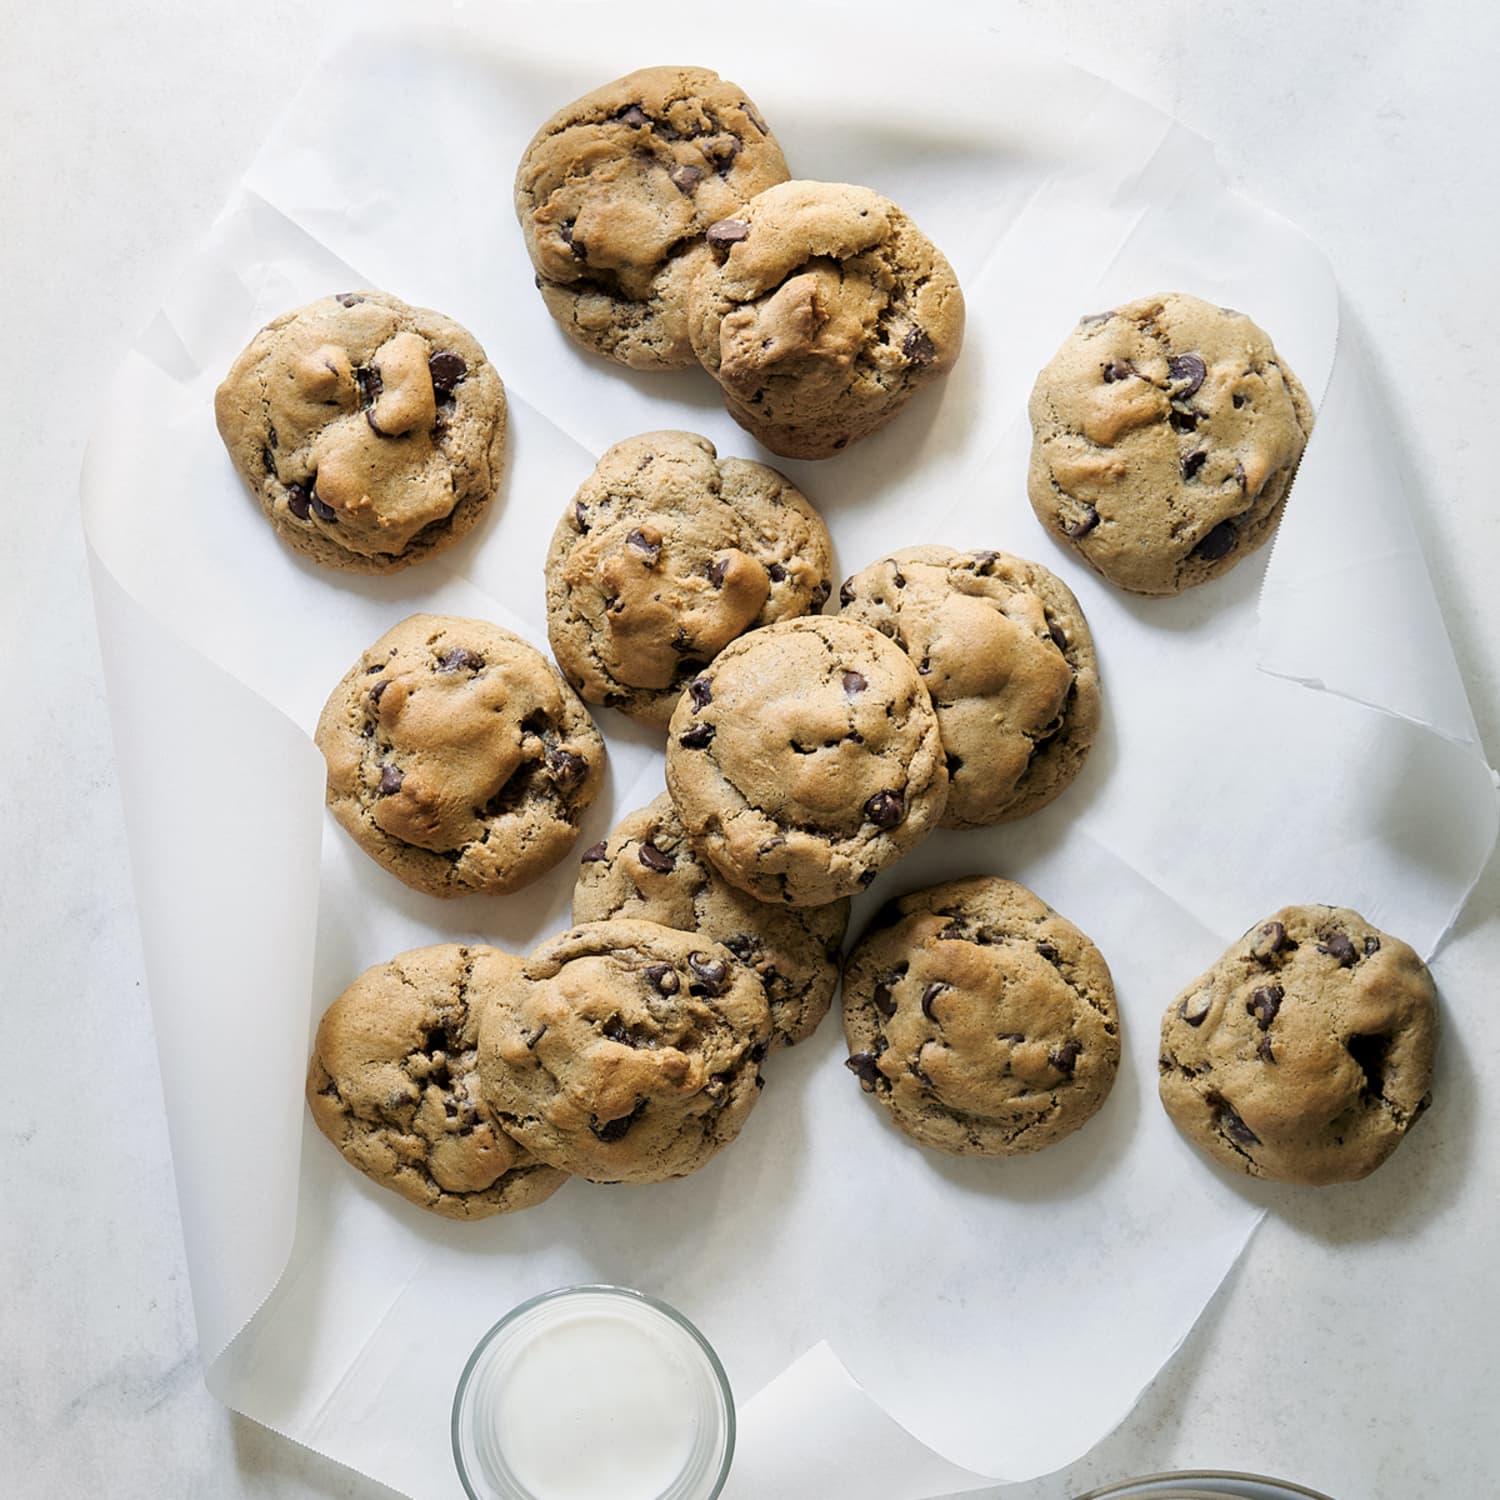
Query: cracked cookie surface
point(1305, 1053)
point(458, 758)
point(1165, 437)
point(665, 555)
point(393, 1083)
point(372, 433)
point(614, 195)
point(823, 309)
point(647, 869)
point(1006, 655)
point(805, 759)
point(984, 1021)
point(625, 1051)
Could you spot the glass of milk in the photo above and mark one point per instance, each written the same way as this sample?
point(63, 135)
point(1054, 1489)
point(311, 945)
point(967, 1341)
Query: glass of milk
point(593, 1393)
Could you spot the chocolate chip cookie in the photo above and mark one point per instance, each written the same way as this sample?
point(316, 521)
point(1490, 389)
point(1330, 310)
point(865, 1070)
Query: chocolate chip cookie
point(393, 1083)
point(625, 1051)
point(1305, 1053)
point(822, 310)
point(1166, 434)
point(647, 869)
point(614, 195)
point(458, 758)
point(372, 433)
point(666, 554)
point(981, 1019)
point(1006, 655)
point(806, 759)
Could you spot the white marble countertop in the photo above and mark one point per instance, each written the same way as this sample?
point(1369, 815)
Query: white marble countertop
point(1352, 1349)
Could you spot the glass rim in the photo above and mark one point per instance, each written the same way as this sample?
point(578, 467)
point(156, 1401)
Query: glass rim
point(1124, 1487)
point(607, 1289)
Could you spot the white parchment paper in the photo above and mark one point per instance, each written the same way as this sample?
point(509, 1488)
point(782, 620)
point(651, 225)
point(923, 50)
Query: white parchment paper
point(1311, 742)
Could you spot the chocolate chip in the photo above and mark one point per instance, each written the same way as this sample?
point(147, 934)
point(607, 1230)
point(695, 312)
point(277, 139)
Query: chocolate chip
point(699, 737)
point(743, 945)
point(863, 1066)
point(1118, 369)
point(955, 764)
point(614, 1130)
point(595, 854)
point(918, 348)
point(897, 576)
point(372, 702)
point(1217, 543)
point(846, 591)
point(712, 974)
point(664, 977)
point(459, 659)
point(446, 369)
point(1268, 941)
point(1182, 421)
point(1010, 1036)
point(1195, 1008)
point(1264, 1004)
point(654, 858)
point(638, 541)
point(1239, 477)
point(685, 178)
point(854, 683)
point(984, 562)
point(297, 500)
point(867, 878)
point(883, 998)
point(700, 690)
point(1188, 367)
point(614, 1030)
point(1338, 946)
point(370, 385)
point(1264, 1049)
point(581, 515)
point(1238, 400)
point(322, 510)
point(1047, 950)
point(929, 995)
point(577, 246)
point(391, 778)
point(727, 232)
point(349, 299)
point(1084, 524)
point(1229, 1119)
point(1190, 466)
point(886, 809)
point(819, 596)
point(753, 118)
point(1059, 639)
point(534, 1038)
point(1372, 945)
point(1062, 1058)
point(634, 116)
point(566, 768)
point(723, 154)
point(775, 572)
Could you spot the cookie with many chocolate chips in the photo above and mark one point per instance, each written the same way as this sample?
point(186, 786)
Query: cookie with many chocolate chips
point(625, 1051)
point(393, 1083)
point(805, 759)
point(614, 195)
point(1166, 435)
point(1305, 1053)
point(372, 433)
point(824, 309)
point(1005, 653)
point(647, 869)
point(458, 758)
point(981, 1019)
point(664, 556)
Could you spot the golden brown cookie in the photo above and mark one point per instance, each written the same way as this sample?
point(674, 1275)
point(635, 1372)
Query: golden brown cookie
point(372, 433)
point(664, 556)
point(614, 194)
point(1305, 1053)
point(823, 310)
point(647, 869)
point(1003, 648)
point(805, 759)
point(981, 1019)
point(625, 1051)
point(1166, 434)
point(458, 758)
point(393, 1083)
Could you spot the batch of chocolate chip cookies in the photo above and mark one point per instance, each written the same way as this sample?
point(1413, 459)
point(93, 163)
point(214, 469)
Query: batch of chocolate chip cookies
point(806, 753)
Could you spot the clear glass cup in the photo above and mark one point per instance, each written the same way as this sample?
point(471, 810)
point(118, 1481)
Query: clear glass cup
point(593, 1390)
point(1204, 1484)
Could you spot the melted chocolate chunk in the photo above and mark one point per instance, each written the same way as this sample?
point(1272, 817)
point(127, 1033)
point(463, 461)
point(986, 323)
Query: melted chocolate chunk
point(918, 348)
point(446, 369)
point(727, 232)
point(664, 977)
point(699, 737)
point(711, 974)
point(615, 1130)
point(1264, 1004)
point(846, 591)
point(700, 690)
point(654, 858)
point(685, 178)
point(1188, 367)
point(1268, 942)
point(1338, 946)
point(390, 781)
point(297, 500)
point(459, 659)
point(1195, 1008)
point(1190, 466)
point(930, 994)
point(886, 809)
point(638, 541)
point(349, 299)
point(634, 116)
point(1372, 945)
point(1370, 1053)
point(1182, 421)
point(566, 768)
point(370, 386)
point(1217, 543)
point(1118, 369)
point(1229, 1120)
point(775, 572)
point(1084, 524)
point(534, 1038)
point(1047, 950)
point(883, 997)
point(854, 684)
point(819, 596)
point(1063, 1058)
point(595, 854)
point(322, 510)
point(864, 1067)
point(372, 701)
point(955, 764)
point(1059, 639)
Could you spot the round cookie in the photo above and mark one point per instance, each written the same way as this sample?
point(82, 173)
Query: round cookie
point(981, 1019)
point(1305, 1053)
point(1166, 435)
point(625, 1051)
point(647, 869)
point(664, 556)
point(393, 1083)
point(614, 194)
point(806, 759)
point(823, 309)
point(1006, 655)
point(372, 433)
point(458, 757)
